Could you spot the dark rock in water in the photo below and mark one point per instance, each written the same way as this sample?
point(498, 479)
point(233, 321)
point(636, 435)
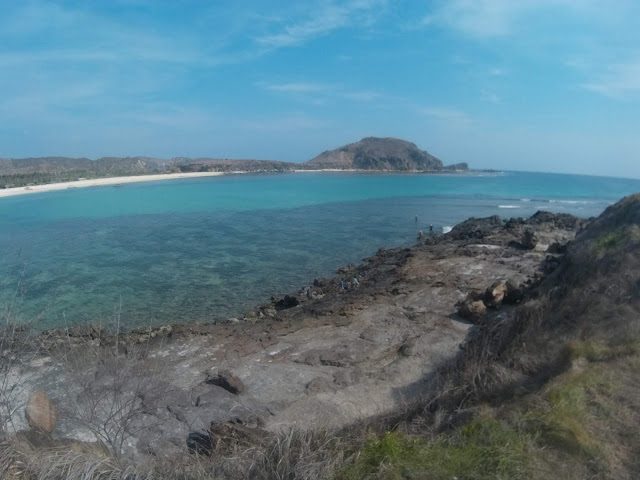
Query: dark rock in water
point(228, 381)
point(287, 302)
point(475, 228)
point(199, 443)
point(494, 294)
point(514, 293)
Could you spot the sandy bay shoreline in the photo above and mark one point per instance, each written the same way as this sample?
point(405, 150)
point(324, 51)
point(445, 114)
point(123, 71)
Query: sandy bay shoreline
point(98, 182)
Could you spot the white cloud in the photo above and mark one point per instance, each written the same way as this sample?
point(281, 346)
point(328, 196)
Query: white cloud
point(329, 18)
point(495, 18)
point(620, 80)
point(318, 93)
point(447, 114)
point(364, 96)
point(296, 87)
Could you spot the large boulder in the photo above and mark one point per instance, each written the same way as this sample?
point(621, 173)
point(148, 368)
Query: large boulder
point(472, 309)
point(494, 295)
point(529, 239)
point(41, 413)
point(287, 301)
point(476, 228)
point(228, 381)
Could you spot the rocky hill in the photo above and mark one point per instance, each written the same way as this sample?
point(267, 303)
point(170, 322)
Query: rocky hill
point(375, 153)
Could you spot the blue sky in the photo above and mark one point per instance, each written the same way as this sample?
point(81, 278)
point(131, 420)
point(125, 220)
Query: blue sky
point(538, 85)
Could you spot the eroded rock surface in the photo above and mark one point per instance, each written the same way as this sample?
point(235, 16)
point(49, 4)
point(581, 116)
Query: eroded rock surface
point(325, 356)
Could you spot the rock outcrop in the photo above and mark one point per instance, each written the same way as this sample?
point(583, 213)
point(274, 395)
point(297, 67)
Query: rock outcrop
point(228, 381)
point(374, 153)
point(323, 355)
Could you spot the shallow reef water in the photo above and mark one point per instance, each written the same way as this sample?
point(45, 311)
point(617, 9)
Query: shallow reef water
point(211, 248)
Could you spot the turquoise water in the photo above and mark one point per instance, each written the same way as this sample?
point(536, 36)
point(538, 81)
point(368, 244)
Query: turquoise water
point(210, 248)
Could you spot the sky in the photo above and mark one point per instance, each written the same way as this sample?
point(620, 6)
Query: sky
point(533, 85)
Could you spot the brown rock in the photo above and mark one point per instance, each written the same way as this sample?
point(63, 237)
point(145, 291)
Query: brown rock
point(41, 413)
point(228, 381)
point(472, 309)
point(494, 294)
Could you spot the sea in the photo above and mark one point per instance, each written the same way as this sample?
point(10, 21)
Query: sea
point(209, 249)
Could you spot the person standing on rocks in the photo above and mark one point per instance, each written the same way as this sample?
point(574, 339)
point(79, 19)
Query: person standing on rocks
point(355, 283)
point(341, 285)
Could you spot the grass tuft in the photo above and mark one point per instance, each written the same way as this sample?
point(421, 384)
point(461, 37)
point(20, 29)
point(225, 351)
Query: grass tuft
point(484, 449)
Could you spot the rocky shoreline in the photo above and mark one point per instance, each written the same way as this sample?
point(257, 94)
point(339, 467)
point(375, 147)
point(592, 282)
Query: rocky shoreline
point(324, 356)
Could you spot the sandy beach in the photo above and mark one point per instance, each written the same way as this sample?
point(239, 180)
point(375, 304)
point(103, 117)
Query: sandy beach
point(98, 182)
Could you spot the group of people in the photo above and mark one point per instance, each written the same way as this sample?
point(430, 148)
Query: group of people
point(342, 286)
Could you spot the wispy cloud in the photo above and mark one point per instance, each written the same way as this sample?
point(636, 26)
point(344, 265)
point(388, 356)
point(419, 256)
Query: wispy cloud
point(319, 92)
point(621, 81)
point(296, 87)
point(447, 114)
point(321, 22)
point(494, 18)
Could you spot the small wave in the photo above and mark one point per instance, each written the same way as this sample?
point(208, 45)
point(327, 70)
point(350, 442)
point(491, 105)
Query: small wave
point(572, 202)
point(446, 229)
point(525, 199)
point(508, 206)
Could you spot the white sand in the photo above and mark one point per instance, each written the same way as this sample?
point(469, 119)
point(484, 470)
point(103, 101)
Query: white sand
point(96, 182)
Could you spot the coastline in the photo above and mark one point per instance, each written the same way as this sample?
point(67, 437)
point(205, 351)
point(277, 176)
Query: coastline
point(99, 182)
point(322, 355)
point(105, 181)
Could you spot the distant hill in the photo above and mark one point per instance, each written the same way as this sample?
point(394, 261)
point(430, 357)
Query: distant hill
point(371, 153)
point(376, 153)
